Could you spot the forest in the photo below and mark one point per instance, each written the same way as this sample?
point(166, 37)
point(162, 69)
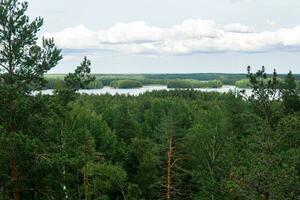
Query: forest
point(179, 144)
point(177, 83)
point(204, 80)
point(126, 84)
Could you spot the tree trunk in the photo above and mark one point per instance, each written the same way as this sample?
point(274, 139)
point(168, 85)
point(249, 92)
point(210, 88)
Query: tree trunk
point(169, 167)
point(85, 186)
point(14, 177)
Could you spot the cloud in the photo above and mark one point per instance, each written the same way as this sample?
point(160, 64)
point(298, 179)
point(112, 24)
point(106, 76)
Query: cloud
point(238, 28)
point(272, 23)
point(236, 1)
point(239, 1)
point(191, 36)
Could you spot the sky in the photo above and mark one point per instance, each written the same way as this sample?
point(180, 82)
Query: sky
point(173, 36)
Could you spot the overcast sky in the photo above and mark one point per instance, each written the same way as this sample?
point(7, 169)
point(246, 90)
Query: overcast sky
point(173, 36)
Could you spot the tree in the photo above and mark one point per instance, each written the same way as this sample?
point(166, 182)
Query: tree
point(290, 94)
point(266, 166)
point(208, 146)
point(104, 180)
point(174, 175)
point(75, 81)
point(22, 66)
point(266, 91)
point(76, 145)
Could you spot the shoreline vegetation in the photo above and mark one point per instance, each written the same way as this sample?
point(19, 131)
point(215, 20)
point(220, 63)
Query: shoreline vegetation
point(194, 84)
point(125, 84)
point(176, 81)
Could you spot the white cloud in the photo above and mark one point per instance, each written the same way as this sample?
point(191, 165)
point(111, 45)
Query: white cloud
point(191, 36)
point(272, 23)
point(238, 28)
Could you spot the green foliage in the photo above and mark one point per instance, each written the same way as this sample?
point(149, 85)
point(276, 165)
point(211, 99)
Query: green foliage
point(115, 147)
point(81, 77)
point(267, 161)
point(53, 83)
point(290, 94)
point(208, 146)
point(123, 84)
point(243, 83)
point(194, 84)
point(23, 62)
point(96, 84)
point(163, 79)
point(178, 144)
point(104, 179)
point(266, 170)
point(22, 67)
point(56, 83)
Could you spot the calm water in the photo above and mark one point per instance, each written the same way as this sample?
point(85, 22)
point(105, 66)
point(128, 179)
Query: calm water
point(149, 88)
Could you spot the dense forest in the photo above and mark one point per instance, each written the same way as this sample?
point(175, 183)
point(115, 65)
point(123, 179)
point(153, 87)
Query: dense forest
point(180, 144)
point(126, 84)
point(184, 83)
point(203, 80)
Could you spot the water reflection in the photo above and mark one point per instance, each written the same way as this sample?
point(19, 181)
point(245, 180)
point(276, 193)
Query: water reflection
point(149, 88)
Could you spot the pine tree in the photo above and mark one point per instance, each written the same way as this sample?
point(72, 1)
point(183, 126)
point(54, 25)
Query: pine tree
point(22, 66)
point(265, 167)
point(76, 144)
point(174, 175)
point(290, 94)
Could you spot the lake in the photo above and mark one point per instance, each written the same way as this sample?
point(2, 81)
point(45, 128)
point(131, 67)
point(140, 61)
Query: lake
point(149, 88)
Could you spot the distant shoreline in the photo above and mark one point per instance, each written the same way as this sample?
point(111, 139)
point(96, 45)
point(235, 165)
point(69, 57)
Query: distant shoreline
point(180, 80)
